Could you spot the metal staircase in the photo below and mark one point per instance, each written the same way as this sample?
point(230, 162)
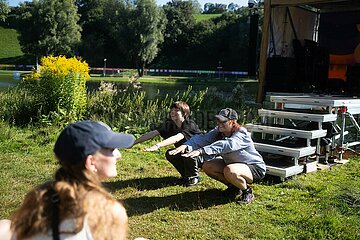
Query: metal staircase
point(281, 136)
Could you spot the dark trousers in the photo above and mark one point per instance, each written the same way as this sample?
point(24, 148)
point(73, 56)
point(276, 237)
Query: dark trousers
point(187, 167)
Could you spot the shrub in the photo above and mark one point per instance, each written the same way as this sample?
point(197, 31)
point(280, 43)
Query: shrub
point(60, 85)
point(18, 106)
point(131, 111)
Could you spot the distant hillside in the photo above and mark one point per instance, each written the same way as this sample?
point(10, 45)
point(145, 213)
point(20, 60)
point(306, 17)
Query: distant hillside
point(202, 17)
point(10, 51)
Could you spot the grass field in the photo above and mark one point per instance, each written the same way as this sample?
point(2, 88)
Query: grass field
point(320, 205)
point(10, 47)
point(203, 17)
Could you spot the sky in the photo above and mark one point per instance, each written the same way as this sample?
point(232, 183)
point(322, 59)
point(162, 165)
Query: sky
point(162, 2)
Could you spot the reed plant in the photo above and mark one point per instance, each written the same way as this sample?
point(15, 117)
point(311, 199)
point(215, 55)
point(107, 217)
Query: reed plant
point(131, 110)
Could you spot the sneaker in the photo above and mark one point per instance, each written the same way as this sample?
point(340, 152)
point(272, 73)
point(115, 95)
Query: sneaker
point(246, 197)
point(192, 181)
point(232, 191)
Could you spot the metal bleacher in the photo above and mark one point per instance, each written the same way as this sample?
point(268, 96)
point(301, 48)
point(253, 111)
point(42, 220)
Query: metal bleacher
point(289, 137)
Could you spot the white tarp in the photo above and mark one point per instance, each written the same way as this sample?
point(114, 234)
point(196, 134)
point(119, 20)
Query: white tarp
point(282, 33)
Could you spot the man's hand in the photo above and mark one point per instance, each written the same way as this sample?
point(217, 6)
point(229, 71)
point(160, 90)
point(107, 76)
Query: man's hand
point(177, 150)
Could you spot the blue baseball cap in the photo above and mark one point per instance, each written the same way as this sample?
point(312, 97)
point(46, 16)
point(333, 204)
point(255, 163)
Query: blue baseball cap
point(83, 138)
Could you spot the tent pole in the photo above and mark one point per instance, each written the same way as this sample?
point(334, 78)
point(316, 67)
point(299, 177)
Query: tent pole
point(263, 51)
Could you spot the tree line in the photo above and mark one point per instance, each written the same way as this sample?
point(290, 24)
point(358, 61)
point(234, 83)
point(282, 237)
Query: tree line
point(132, 33)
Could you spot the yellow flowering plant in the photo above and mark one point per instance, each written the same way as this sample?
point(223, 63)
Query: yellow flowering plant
point(61, 84)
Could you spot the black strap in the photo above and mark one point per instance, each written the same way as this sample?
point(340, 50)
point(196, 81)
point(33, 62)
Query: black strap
point(54, 198)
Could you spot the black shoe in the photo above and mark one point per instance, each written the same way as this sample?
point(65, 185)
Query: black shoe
point(246, 197)
point(231, 191)
point(192, 181)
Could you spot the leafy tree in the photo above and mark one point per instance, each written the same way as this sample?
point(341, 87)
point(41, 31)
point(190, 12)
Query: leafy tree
point(4, 10)
point(145, 31)
point(232, 7)
point(178, 32)
point(94, 30)
point(196, 6)
point(207, 7)
point(49, 27)
point(216, 8)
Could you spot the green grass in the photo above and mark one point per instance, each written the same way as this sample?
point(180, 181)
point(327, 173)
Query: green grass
point(10, 47)
point(204, 17)
point(320, 205)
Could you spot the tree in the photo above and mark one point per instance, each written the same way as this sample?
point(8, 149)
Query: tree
point(49, 27)
point(178, 32)
point(216, 8)
point(232, 7)
point(4, 10)
point(145, 32)
point(94, 30)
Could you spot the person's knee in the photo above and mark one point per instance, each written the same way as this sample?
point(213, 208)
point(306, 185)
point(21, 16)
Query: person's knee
point(231, 175)
point(207, 167)
point(229, 172)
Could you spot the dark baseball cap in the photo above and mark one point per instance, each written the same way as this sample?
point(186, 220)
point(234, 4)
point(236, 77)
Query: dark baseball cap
point(80, 139)
point(226, 114)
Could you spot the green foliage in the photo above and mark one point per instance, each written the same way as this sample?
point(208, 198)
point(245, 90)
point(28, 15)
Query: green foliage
point(130, 110)
point(4, 10)
point(49, 27)
point(145, 27)
point(60, 86)
point(10, 46)
point(204, 17)
point(18, 106)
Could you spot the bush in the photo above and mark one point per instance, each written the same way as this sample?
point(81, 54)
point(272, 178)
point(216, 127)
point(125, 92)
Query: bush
point(131, 110)
point(60, 86)
point(19, 106)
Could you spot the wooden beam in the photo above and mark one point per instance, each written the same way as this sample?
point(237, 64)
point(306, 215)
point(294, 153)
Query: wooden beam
point(263, 52)
point(302, 2)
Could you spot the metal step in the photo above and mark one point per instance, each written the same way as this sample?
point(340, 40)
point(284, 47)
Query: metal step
point(296, 152)
point(307, 134)
point(324, 101)
point(284, 172)
point(327, 117)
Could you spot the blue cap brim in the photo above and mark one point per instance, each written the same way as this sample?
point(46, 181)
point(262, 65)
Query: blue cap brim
point(119, 140)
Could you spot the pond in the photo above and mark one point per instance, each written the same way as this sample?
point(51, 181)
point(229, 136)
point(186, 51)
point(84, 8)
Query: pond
point(155, 90)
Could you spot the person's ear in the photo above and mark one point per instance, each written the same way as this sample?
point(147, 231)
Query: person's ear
point(90, 163)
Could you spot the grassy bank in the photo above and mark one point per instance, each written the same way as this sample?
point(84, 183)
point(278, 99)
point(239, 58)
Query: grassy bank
point(320, 205)
point(10, 47)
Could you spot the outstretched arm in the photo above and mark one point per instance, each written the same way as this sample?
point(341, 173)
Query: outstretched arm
point(147, 136)
point(171, 140)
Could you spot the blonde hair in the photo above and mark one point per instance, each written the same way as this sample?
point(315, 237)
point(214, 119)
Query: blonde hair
point(73, 185)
